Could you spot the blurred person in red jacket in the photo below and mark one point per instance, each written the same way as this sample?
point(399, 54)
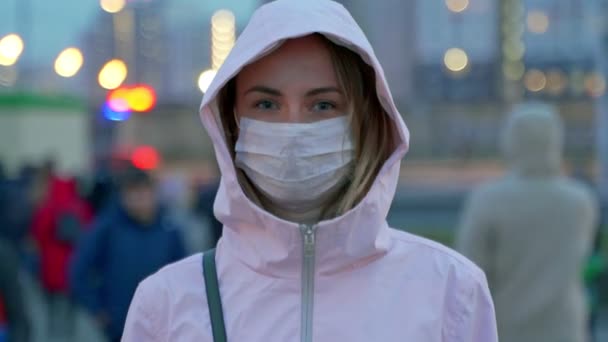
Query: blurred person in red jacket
point(57, 224)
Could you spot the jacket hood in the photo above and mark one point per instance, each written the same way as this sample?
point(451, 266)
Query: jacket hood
point(263, 240)
point(533, 139)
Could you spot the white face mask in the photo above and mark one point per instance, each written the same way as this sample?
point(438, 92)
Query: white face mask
point(295, 165)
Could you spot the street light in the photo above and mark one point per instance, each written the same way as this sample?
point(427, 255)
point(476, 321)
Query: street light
point(205, 79)
point(513, 71)
point(456, 60)
point(11, 47)
point(69, 62)
point(112, 6)
point(113, 74)
point(457, 6)
point(556, 82)
point(538, 22)
point(535, 80)
point(145, 158)
point(139, 98)
point(595, 84)
point(223, 35)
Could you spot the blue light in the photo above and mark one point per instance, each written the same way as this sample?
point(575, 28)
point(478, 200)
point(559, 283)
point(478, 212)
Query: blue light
point(114, 115)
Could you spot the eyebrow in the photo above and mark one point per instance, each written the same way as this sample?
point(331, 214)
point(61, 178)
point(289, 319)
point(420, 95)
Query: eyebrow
point(263, 89)
point(275, 92)
point(323, 90)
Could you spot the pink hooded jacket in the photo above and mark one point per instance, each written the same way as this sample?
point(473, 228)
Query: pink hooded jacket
point(363, 281)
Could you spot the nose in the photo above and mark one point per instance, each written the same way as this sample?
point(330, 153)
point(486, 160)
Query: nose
point(294, 112)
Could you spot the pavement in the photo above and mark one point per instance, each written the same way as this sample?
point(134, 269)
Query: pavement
point(85, 328)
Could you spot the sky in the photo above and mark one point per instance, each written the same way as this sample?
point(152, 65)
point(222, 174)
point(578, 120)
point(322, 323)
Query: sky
point(57, 24)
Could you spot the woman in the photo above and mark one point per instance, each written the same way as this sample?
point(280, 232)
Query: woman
point(309, 144)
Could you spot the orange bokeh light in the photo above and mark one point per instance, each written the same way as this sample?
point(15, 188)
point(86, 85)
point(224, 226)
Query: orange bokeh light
point(139, 98)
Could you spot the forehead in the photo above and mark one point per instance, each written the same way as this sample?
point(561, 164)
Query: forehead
point(305, 61)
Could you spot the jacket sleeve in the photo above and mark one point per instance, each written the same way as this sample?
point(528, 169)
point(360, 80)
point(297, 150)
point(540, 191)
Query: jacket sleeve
point(86, 265)
point(475, 237)
point(149, 313)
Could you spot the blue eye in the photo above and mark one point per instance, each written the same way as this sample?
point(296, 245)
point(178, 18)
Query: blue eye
point(266, 105)
point(323, 106)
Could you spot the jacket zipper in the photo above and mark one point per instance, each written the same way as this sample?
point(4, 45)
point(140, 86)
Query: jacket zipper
point(308, 280)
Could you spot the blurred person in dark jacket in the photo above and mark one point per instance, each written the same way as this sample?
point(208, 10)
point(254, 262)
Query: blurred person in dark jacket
point(12, 301)
point(132, 239)
point(16, 209)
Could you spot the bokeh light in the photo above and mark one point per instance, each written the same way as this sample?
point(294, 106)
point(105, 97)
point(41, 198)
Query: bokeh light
point(514, 71)
point(11, 47)
point(577, 81)
point(457, 6)
point(223, 20)
point(141, 98)
point(556, 82)
point(145, 158)
point(513, 50)
point(538, 22)
point(595, 84)
point(535, 80)
point(69, 62)
point(113, 74)
point(138, 98)
point(205, 79)
point(112, 6)
point(456, 60)
point(117, 99)
point(223, 36)
point(118, 105)
point(111, 113)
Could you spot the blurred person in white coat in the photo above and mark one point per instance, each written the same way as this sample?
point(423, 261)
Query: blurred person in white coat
point(531, 233)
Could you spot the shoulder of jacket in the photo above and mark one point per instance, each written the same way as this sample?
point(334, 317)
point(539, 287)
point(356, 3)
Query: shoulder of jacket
point(437, 253)
point(181, 267)
point(154, 303)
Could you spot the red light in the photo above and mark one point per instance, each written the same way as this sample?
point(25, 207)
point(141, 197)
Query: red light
point(145, 158)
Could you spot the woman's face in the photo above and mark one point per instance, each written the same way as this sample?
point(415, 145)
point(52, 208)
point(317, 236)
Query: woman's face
point(295, 83)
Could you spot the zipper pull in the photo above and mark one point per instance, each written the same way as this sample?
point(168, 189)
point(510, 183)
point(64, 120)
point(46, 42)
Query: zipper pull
point(308, 234)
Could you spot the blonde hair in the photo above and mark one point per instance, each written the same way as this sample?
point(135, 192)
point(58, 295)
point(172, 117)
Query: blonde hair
point(372, 131)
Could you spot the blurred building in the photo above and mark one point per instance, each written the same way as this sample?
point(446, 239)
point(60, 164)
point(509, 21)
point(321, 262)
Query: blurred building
point(98, 45)
point(455, 50)
point(548, 42)
point(135, 35)
point(390, 27)
point(189, 54)
point(454, 66)
point(151, 48)
point(35, 127)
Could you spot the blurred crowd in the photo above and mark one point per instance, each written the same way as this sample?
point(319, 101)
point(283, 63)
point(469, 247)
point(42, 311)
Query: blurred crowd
point(86, 243)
